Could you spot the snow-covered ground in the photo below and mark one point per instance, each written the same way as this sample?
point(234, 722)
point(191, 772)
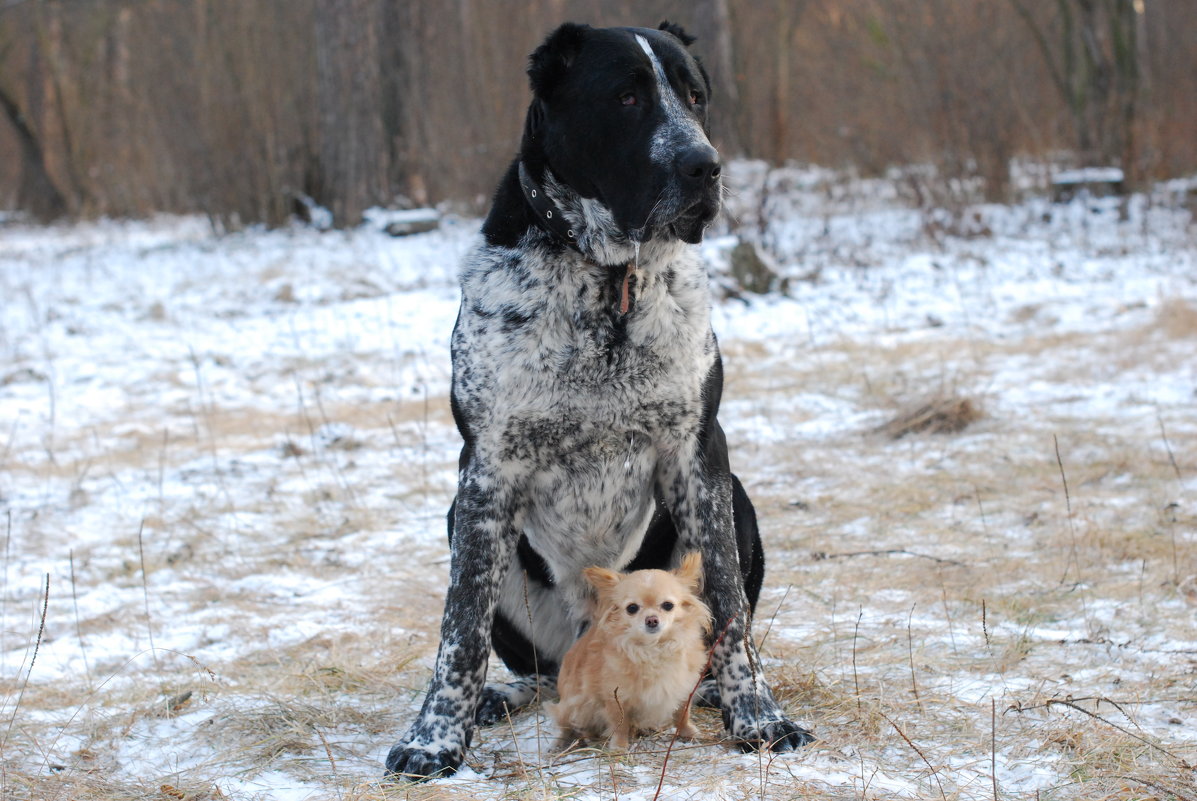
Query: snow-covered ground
point(228, 458)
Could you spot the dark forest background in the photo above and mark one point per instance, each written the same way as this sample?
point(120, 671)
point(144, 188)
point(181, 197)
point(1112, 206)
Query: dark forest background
point(236, 108)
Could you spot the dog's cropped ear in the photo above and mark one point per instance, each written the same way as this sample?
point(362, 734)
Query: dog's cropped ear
point(548, 63)
point(690, 571)
point(601, 578)
point(678, 31)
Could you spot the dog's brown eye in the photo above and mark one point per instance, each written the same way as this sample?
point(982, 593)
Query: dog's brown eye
point(668, 605)
point(633, 609)
point(628, 98)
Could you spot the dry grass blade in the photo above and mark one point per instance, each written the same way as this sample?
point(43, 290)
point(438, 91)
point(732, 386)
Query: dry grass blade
point(993, 745)
point(331, 760)
point(145, 592)
point(985, 625)
point(690, 699)
point(769, 627)
point(1168, 447)
point(41, 631)
point(4, 584)
point(1155, 747)
point(915, 748)
point(78, 628)
point(887, 552)
point(914, 685)
point(855, 673)
point(1074, 556)
point(1180, 481)
point(1160, 787)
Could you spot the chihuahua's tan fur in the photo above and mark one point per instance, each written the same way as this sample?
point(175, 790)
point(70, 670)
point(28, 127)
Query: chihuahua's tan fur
point(636, 666)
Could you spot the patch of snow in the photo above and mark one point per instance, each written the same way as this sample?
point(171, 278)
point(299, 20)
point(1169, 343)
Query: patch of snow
point(1089, 175)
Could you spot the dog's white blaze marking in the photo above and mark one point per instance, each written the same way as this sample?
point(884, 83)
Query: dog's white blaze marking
point(679, 130)
point(652, 56)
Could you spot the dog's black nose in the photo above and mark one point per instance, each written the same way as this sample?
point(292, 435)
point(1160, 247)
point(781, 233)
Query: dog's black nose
point(699, 165)
point(651, 622)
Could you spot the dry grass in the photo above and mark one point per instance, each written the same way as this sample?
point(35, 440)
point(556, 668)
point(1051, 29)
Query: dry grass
point(937, 415)
point(1177, 318)
point(950, 607)
point(965, 553)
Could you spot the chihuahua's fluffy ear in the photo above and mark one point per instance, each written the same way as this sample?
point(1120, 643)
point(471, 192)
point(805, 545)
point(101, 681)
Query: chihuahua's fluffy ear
point(601, 578)
point(690, 571)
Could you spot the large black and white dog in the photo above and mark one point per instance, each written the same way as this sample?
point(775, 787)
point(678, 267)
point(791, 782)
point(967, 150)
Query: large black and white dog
point(586, 380)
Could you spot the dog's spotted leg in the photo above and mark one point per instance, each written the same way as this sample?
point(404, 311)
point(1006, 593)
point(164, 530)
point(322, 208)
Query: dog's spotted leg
point(482, 546)
point(698, 491)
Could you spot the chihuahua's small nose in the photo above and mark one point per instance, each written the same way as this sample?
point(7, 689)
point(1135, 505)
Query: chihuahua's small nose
point(651, 621)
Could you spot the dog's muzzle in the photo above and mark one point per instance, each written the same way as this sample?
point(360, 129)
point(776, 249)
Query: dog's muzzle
point(697, 170)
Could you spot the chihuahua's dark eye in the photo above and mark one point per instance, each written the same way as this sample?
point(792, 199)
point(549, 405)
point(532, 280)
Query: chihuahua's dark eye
point(633, 609)
point(667, 606)
point(628, 98)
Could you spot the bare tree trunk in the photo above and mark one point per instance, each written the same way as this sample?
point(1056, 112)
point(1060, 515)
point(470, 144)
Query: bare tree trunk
point(712, 20)
point(1124, 31)
point(50, 37)
point(36, 191)
point(781, 97)
point(352, 142)
point(1095, 66)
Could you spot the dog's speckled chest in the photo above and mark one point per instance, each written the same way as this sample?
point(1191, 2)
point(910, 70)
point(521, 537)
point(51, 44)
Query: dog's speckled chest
point(575, 373)
point(587, 398)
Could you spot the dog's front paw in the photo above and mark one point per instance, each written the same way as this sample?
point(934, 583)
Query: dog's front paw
point(775, 735)
point(757, 722)
point(407, 762)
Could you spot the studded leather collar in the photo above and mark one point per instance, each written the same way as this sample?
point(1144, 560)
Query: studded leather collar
point(547, 213)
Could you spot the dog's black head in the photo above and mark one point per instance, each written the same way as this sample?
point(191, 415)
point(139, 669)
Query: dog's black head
point(620, 116)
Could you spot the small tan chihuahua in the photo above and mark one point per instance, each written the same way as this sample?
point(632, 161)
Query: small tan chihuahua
point(636, 666)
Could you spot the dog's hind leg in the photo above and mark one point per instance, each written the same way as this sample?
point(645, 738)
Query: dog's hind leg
point(500, 700)
point(530, 632)
point(748, 542)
